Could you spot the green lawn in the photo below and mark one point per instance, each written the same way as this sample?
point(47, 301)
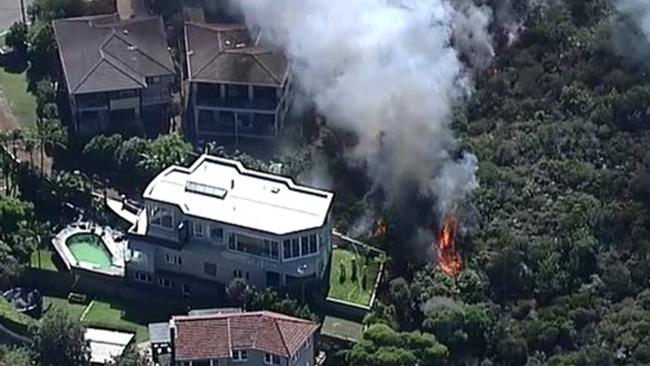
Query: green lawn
point(345, 288)
point(75, 310)
point(21, 103)
point(46, 260)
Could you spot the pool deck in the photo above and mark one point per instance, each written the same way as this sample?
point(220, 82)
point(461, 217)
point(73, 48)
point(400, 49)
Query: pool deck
point(115, 247)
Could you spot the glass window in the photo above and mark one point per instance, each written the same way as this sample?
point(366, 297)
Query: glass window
point(295, 247)
point(274, 249)
point(232, 242)
point(271, 359)
point(198, 229)
point(239, 355)
point(216, 232)
point(201, 363)
point(304, 245)
point(161, 216)
point(210, 269)
point(313, 245)
point(287, 248)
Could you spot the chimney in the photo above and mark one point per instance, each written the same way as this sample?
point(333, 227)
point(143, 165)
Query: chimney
point(232, 184)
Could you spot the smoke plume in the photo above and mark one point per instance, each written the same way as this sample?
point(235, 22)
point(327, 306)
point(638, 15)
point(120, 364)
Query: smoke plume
point(390, 71)
point(632, 29)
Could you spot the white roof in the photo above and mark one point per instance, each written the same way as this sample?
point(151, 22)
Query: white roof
point(231, 194)
point(106, 344)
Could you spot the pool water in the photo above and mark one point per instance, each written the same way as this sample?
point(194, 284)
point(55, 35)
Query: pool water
point(89, 248)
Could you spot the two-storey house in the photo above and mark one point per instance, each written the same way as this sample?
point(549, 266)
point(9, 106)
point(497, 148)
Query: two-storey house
point(217, 220)
point(239, 338)
point(239, 87)
point(117, 73)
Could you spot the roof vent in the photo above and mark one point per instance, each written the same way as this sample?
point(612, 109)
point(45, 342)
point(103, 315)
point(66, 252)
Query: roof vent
point(240, 45)
point(125, 32)
point(131, 48)
point(275, 190)
point(190, 52)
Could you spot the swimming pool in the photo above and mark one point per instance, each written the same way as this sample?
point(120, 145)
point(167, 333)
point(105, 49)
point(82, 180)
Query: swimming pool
point(89, 248)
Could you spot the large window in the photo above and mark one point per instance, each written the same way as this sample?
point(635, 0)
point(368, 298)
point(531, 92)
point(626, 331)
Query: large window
point(300, 247)
point(174, 259)
point(161, 216)
point(239, 355)
point(295, 247)
point(198, 229)
point(216, 233)
point(255, 246)
point(271, 359)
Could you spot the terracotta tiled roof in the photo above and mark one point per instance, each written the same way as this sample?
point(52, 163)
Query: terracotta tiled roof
point(217, 335)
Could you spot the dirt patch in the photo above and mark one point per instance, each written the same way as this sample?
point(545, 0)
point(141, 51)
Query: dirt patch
point(7, 120)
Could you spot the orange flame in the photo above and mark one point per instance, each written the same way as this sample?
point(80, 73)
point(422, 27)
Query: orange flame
point(449, 261)
point(382, 228)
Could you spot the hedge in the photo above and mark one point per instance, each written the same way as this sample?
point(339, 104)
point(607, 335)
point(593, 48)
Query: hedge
point(11, 319)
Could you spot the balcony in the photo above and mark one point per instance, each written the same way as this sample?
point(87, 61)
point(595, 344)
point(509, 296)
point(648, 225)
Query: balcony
point(91, 102)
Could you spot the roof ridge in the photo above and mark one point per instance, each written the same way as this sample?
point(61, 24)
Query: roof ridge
point(229, 337)
point(139, 50)
point(275, 77)
point(284, 342)
point(107, 59)
point(87, 75)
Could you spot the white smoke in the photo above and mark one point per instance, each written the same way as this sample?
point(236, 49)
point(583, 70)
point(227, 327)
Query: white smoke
point(389, 71)
point(638, 11)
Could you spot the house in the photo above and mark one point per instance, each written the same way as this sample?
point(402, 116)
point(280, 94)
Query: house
point(218, 220)
point(239, 87)
point(117, 73)
point(241, 338)
point(105, 345)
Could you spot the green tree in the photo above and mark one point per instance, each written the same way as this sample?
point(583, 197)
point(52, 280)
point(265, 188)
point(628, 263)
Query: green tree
point(131, 357)
point(16, 38)
point(59, 340)
point(50, 133)
point(240, 291)
point(15, 356)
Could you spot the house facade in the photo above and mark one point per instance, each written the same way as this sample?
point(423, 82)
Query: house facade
point(240, 338)
point(118, 74)
point(239, 88)
point(217, 220)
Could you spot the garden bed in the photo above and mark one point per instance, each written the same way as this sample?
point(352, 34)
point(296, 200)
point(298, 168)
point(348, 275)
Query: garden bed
point(353, 277)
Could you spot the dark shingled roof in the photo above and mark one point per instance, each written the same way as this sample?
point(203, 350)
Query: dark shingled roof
point(103, 53)
point(227, 54)
point(217, 335)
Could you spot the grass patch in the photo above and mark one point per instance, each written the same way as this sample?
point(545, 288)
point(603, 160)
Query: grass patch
point(46, 260)
point(13, 320)
point(342, 284)
point(21, 103)
point(75, 310)
point(125, 317)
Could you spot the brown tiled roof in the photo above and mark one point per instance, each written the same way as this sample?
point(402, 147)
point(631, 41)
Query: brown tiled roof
point(101, 53)
point(217, 335)
point(227, 53)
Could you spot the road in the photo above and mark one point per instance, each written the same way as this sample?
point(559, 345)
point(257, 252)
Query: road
point(10, 12)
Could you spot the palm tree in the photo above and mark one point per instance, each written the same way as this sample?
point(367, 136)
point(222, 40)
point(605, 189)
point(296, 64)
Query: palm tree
point(50, 133)
point(29, 143)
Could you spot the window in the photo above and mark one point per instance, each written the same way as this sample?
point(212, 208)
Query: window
point(198, 229)
point(287, 248)
point(237, 273)
point(313, 245)
point(165, 283)
point(239, 355)
point(154, 80)
point(216, 232)
point(295, 247)
point(271, 359)
point(142, 277)
point(232, 242)
point(161, 216)
point(272, 247)
point(304, 245)
point(173, 259)
point(210, 269)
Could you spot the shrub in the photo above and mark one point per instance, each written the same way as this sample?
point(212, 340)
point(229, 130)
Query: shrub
point(13, 320)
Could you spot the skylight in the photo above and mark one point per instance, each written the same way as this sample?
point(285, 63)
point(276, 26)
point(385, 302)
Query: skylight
point(205, 189)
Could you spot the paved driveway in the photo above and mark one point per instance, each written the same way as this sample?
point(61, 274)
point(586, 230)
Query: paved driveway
point(10, 12)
